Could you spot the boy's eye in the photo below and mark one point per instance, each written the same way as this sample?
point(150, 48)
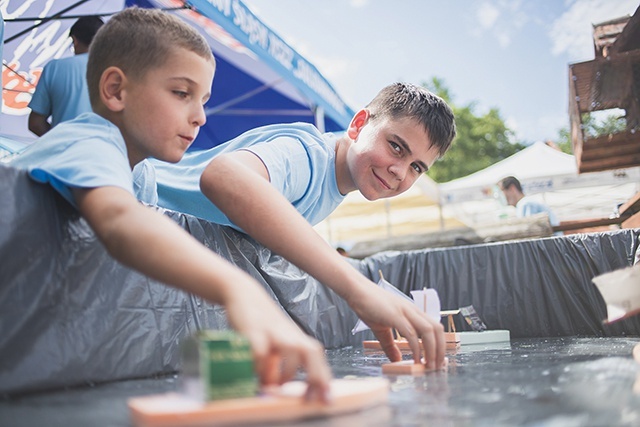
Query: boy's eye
point(395, 146)
point(416, 167)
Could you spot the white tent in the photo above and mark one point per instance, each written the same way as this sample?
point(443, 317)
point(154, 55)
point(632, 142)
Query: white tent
point(545, 171)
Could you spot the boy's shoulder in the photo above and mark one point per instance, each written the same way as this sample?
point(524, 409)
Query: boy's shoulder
point(79, 60)
point(284, 129)
point(86, 152)
point(88, 134)
point(86, 125)
point(305, 134)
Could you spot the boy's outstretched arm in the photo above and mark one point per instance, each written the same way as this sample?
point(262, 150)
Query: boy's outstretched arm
point(156, 246)
point(238, 184)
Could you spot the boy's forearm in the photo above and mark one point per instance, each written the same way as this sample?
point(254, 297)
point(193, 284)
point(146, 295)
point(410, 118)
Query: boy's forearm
point(154, 245)
point(38, 124)
point(252, 203)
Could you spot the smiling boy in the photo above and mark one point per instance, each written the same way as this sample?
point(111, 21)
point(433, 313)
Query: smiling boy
point(275, 182)
point(149, 75)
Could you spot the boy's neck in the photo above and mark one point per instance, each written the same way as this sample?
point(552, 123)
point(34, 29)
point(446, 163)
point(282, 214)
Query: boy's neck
point(343, 175)
point(114, 118)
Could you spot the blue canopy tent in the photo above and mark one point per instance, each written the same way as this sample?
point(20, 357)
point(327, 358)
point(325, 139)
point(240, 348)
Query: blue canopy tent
point(259, 78)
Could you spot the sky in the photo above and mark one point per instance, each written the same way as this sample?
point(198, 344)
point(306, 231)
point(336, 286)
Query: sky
point(512, 55)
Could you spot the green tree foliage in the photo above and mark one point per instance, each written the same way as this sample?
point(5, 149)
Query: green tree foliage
point(481, 140)
point(564, 140)
point(594, 125)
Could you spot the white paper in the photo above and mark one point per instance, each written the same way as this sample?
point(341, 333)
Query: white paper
point(621, 292)
point(427, 301)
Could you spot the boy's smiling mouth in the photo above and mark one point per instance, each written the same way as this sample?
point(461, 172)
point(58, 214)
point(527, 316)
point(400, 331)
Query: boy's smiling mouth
point(382, 181)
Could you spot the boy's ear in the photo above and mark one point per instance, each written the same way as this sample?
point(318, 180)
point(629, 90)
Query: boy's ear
point(357, 123)
point(112, 89)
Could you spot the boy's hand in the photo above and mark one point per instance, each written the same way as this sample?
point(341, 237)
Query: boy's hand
point(129, 231)
point(238, 184)
point(380, 309)
point(279, 347)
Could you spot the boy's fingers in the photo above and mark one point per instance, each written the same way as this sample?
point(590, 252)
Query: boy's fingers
point(290, 366)
point(429, 345)
point(318, 373)
point(442, 346)
point(433, 343)
point(416, 350)
point(271, 373)
point(262, 359)
point(280, 362)
point(388, 344)
point(410, 333)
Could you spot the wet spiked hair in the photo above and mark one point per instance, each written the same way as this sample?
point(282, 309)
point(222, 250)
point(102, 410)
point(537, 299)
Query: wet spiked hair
point(405, 100)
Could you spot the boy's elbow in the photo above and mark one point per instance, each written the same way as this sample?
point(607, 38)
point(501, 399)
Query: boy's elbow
point(111, 214)
point(205, 180)
point(211, 176)
point(38, 124)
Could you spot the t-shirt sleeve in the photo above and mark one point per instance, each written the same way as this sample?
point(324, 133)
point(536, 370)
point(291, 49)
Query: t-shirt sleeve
point(523, 210)
point(144, 183)
point(40, 101)
point(288, 164)
point(89, 164)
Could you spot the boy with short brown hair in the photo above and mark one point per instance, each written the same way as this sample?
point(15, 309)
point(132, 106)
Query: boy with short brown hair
point(276, 181)
point(149, 76)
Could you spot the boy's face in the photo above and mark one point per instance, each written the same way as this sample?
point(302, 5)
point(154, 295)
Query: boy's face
point(163, 110)
point(387, 155)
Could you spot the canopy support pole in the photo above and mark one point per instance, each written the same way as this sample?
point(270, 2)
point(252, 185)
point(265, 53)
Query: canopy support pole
point(319, 118)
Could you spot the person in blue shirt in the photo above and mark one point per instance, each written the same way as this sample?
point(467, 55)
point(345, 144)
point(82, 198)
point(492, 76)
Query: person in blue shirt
point(525, 205)
point(149, 75)
point(61, 92)
point(274, 182)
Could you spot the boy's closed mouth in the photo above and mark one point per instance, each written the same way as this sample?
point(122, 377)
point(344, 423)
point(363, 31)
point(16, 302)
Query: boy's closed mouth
point(188, 139)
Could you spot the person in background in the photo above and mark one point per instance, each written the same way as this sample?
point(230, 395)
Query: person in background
point(525, 205)
point(61, 92)
point(149, 75)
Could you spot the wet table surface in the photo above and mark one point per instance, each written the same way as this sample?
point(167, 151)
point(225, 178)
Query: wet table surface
point(531, 382)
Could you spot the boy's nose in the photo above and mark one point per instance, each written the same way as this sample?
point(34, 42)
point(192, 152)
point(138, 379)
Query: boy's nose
point(398, 171)
point(200, 118)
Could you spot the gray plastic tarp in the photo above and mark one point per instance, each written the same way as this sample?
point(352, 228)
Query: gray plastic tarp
point(70, 314)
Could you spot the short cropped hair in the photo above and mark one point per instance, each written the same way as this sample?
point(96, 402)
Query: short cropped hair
point(85, 28)
point(137, 40)
point(405, 100)
point(508, 182)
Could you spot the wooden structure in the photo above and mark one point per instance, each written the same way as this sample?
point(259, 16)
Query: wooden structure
point(629, 217)
point(610, 81)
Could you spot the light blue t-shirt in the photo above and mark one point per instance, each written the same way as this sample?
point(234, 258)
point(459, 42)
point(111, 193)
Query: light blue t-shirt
point(300, 161)
point(528, 206)
point(62, 91)
point(86, 152)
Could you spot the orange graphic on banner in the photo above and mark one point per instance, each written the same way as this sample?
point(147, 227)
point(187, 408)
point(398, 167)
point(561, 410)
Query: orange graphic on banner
point(17, 87)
